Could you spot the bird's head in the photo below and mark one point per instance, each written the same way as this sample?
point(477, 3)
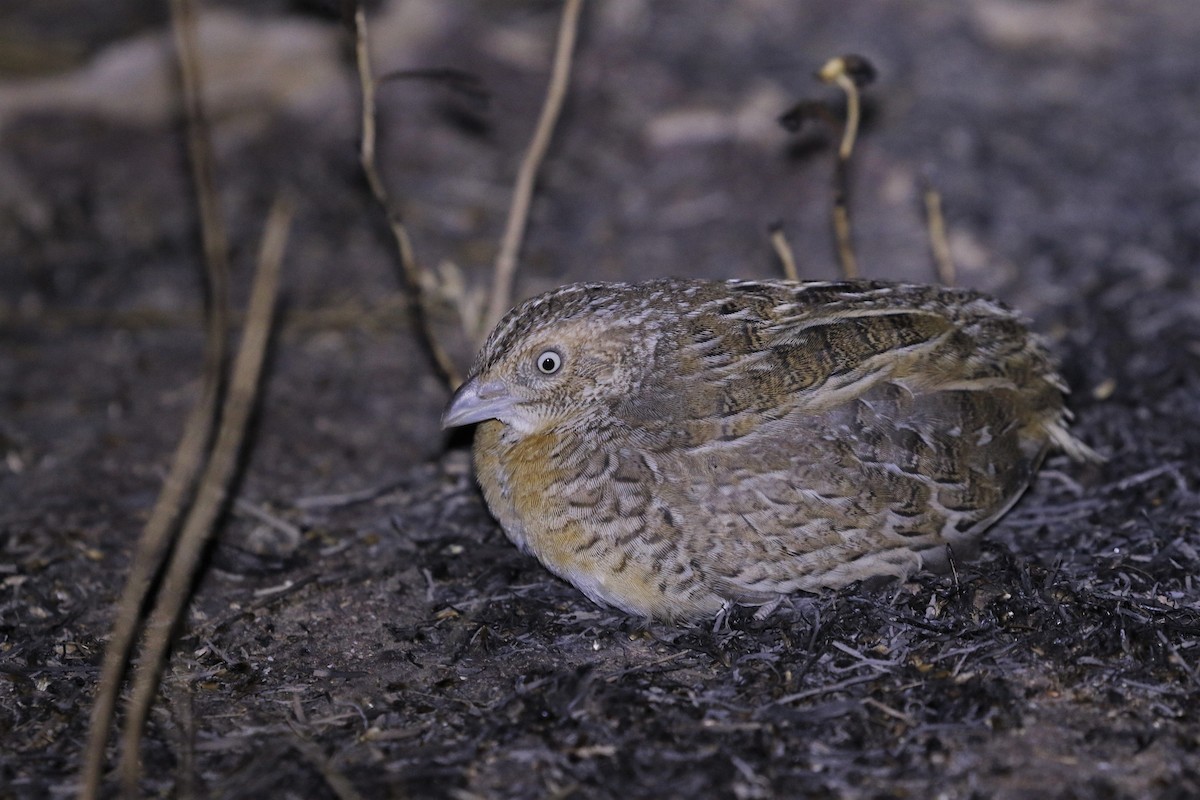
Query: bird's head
point(564, 355)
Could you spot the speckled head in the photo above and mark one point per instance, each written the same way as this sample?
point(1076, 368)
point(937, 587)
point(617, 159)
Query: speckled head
point(607, 304)
point(570, 349)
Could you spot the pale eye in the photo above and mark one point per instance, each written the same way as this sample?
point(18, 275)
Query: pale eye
point(549, 362)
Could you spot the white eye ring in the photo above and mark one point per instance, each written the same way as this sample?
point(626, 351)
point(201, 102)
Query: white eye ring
point(549, 362)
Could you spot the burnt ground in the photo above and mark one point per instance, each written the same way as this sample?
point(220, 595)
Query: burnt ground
point(399, 645)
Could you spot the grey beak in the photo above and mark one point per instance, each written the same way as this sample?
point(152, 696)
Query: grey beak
point(475, 402)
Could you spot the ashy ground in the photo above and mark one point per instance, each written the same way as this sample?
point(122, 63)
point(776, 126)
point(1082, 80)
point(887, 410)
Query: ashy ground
point(399, 645)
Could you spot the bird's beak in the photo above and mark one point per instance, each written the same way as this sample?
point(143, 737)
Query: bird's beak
point(475, 401)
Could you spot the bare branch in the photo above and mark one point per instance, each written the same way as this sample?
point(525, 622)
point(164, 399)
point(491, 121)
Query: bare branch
point(518, 214)
point(939, 246)
point(842, 232)
point(211, 494)
point(847, 73)
point(409, 267)
point(783, 251)
point(191, 451)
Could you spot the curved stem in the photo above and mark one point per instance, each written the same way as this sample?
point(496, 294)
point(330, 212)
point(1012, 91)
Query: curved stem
point(518, 214)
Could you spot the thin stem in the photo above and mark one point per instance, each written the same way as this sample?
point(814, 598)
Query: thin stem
point(783, 251)
point(518, 213)
point(411, 271)
point(837, 71)
point(212, 492)
point(853, 115)
point(190, 453)
point(939, 245)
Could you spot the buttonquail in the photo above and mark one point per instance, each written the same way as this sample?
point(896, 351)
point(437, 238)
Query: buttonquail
point(675, 447)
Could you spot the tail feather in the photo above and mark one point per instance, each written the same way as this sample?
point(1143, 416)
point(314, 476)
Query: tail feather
point(1074, 448)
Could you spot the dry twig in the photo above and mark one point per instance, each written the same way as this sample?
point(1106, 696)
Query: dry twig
point(198, 429)
point(518, 215)
point(213, 489)
point(891, 712)
point(409, 267)
point(335, 780)
point(783, 251)
point(273, 521)
point(340, 499)
point(848, 73)
point(939, 246)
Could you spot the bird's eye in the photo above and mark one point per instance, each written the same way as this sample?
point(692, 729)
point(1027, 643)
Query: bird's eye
point(549, 362)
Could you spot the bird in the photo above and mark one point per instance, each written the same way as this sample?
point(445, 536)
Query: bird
point(675, 448)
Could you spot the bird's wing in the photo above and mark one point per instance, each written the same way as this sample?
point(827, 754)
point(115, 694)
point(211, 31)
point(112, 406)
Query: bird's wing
point(819, 437)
